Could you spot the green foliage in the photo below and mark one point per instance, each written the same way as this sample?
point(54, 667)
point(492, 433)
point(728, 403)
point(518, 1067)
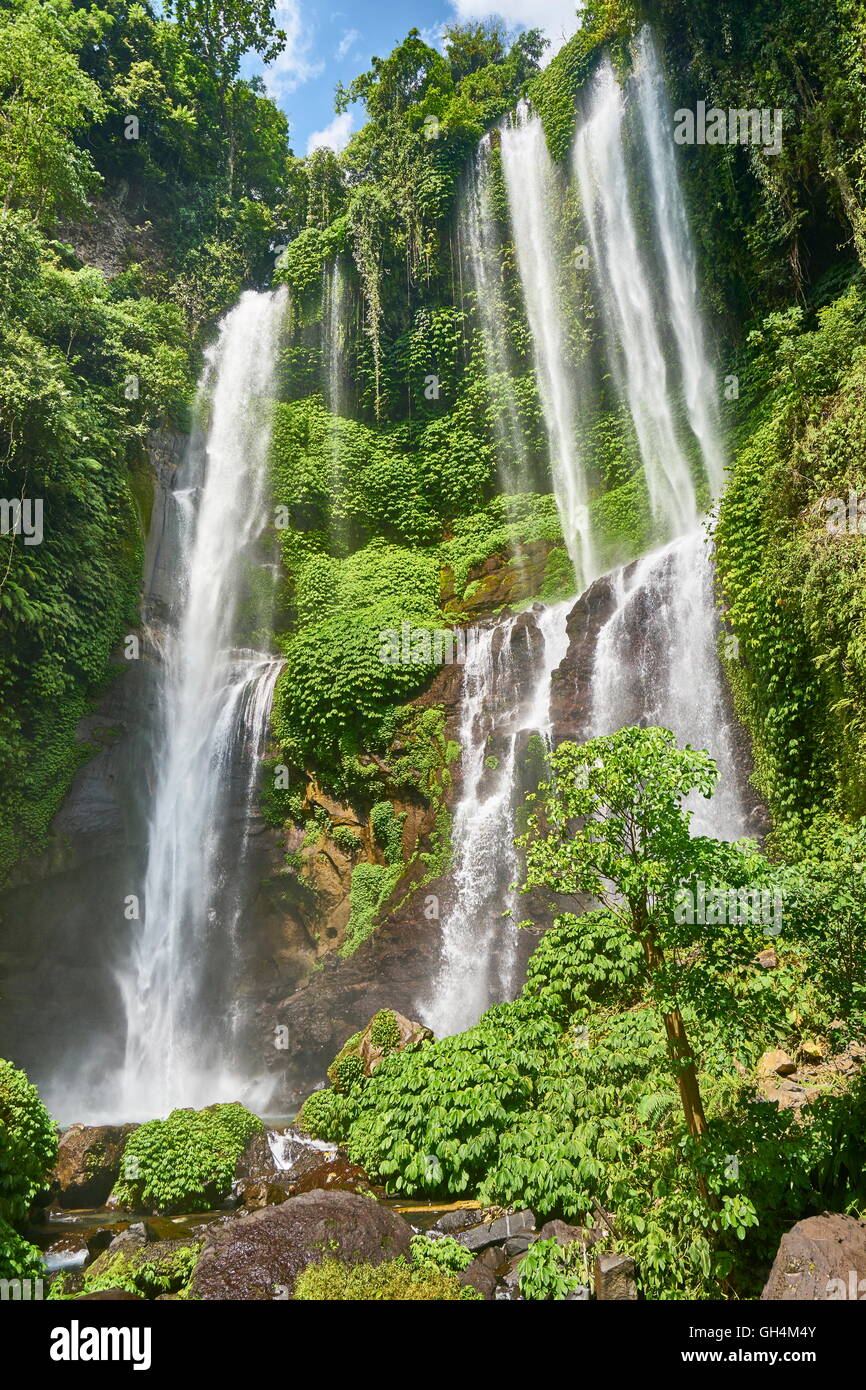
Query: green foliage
point(793, 589)
point(442, 1252)
point(28, 1150)
point(326, 1115)
point(393, 1281)
point(45, 102)
point(385, 1030)
point(71, 439)
point(185, 1162)
point(145, 1272)
point(549, 1270)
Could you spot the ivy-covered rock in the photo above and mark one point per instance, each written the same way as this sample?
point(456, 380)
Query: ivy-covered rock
point(186, 1162)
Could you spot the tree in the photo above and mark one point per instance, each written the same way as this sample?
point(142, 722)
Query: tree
point(44, 99)
point(220, 32)
point(611, 824)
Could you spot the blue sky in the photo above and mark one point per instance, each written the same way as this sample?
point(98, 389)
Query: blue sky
point(330, 41)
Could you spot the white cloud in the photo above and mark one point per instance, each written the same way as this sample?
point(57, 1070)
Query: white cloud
point(335, 135)
point(351, 36)
point(556, 18)
point(296, 63)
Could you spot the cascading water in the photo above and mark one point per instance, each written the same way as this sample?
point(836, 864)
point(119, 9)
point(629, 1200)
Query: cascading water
point(180, 988)
point(678, 257)
point(480, 252)
point(626, 293)
point(531, 181)
point(479, 944)
point(656, 664)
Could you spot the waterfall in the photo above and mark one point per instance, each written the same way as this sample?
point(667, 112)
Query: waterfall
point(531, 182)
point(180, 988)
point(656, 664)
point(479, 944)
point(678, 257)
point(625, 288)
point(481, 253)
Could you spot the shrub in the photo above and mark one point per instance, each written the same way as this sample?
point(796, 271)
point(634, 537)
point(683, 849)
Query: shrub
point(28, 1150)
point(385, 1030)
point(186, 1162)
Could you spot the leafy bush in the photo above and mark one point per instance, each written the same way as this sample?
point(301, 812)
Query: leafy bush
point(549, 1270)
point(439, 1252)
point(385, 1030)
point(187, 1161)
point(28, 1151)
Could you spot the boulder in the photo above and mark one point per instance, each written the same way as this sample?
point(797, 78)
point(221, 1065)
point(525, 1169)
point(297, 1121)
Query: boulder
point(88, 1164)
point(776, 1063)
point(338, 1174)
point(821, 1259)
point(257, 1162)
point(482, 1272)
point(614, 1278)
point(495, 1232)
point(564, 1234)
point(457, 1219)
point(260, 1255)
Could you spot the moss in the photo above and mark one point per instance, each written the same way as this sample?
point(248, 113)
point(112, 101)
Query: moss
point(394, 1281)
point(147, 1272)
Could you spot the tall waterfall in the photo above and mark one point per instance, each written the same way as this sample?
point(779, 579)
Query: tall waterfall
point(678, 256)
point(479, 945)
point(531, 181)
point(180, 988)
point(656, 664)
point(655, 659)
point(480, 253)
point(626, 292)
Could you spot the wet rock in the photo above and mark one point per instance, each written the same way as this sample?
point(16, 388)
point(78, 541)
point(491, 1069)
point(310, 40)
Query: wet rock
point(336, 1175)
point(497, 1231)
point(482, 1272)
point(614, 1278)
point(518, 1245)
point(263, 1194)
point(260, 1255)
point(88, 1164)
point(458, 1220)
point(821, 1259)
point(257, 1162)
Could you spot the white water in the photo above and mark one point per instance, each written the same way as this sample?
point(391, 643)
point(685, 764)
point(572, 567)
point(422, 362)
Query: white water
point(678, 257)
point(656, 664)
point(626, 292)
point(479, 944)
point(531, 182)
point(480, 252)
point(215, 697)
